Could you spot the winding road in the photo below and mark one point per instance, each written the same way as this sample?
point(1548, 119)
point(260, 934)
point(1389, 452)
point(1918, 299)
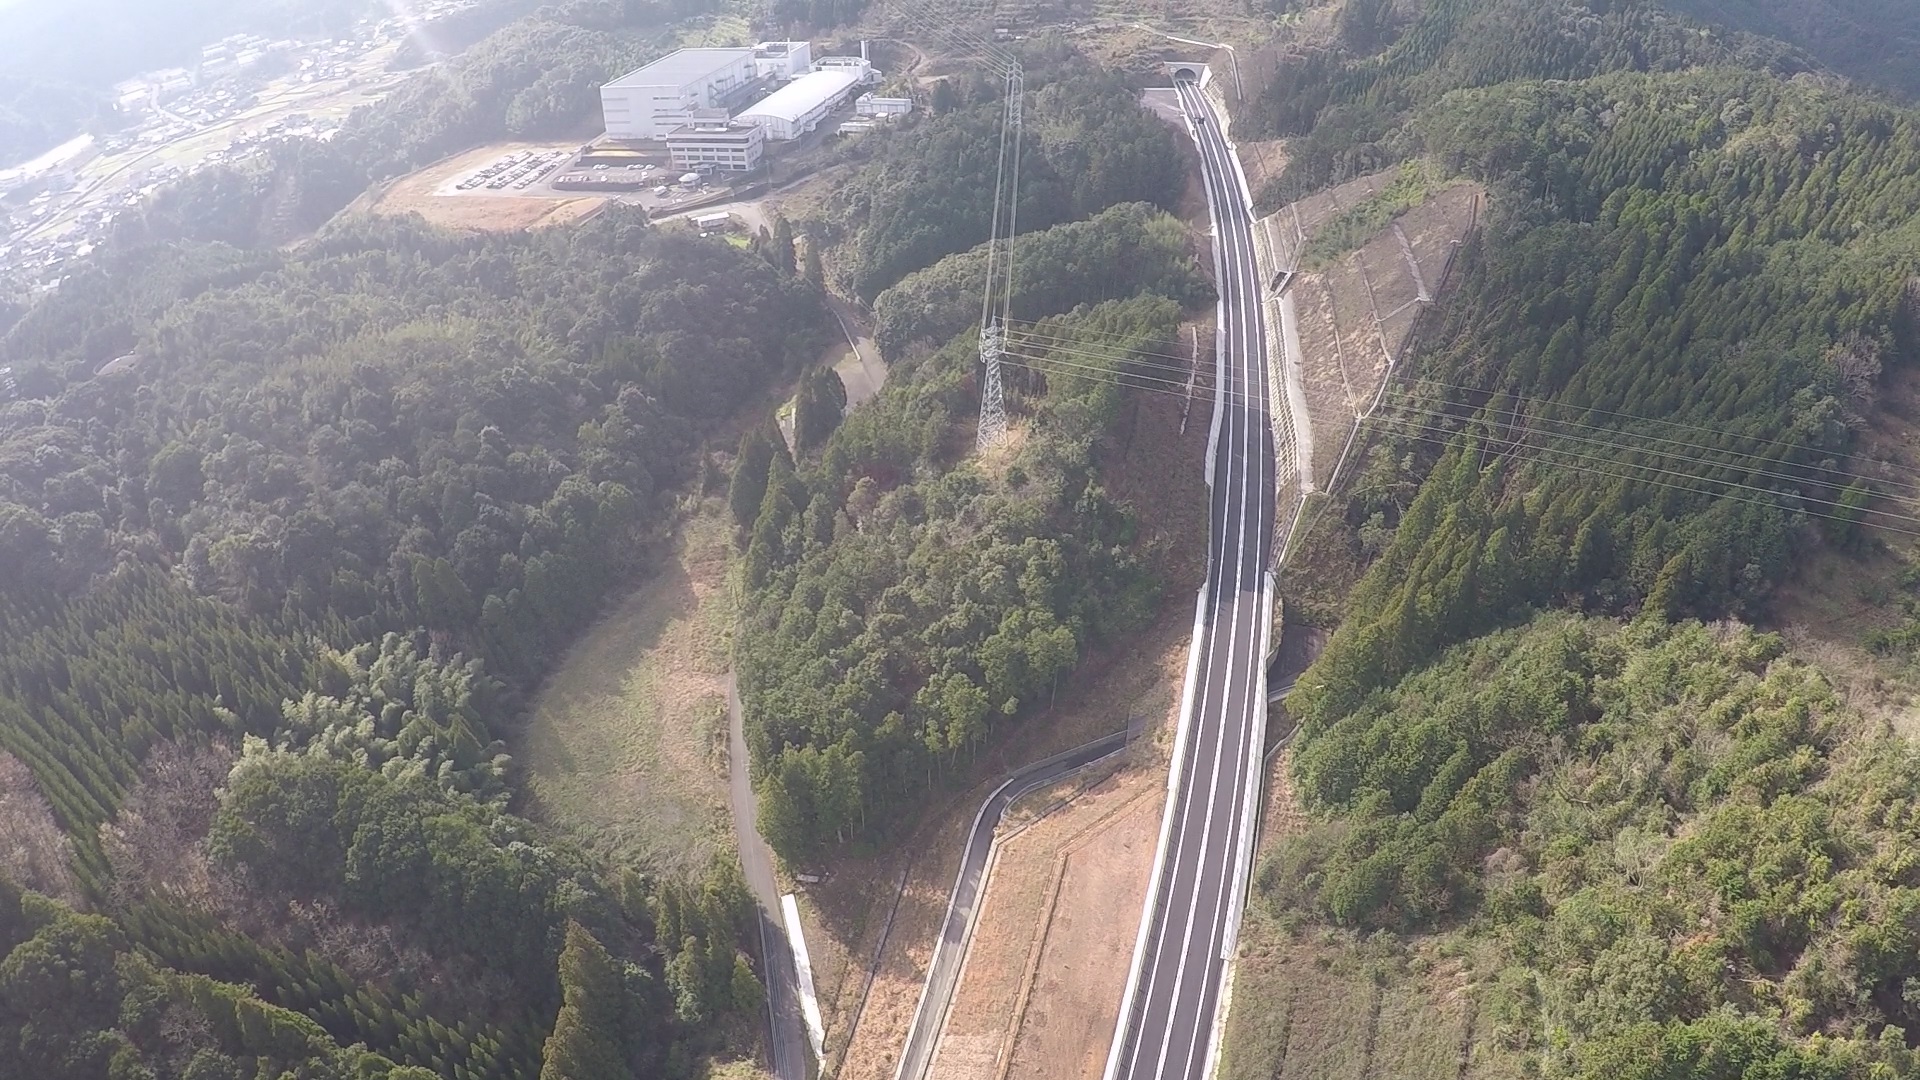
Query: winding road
point(788, 1036)
point(1167, 1029)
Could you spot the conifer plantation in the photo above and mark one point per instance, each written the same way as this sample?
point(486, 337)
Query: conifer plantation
point(273, 593)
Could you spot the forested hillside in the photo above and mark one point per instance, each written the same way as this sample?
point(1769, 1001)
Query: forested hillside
point(1874, 40)
point(343, 506)
point(929, 192)
point(908, 599)
point(1659, 842)
point(1671, 851)
point(1126, 249)
point(1350, 107)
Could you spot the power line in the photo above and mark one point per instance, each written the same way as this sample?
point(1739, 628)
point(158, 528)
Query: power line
point(1517, 419)
point(1079, 335)
point(1048, 366)
point(1760, 464)
point(1419, 428)
point(1728, 496)
point(1112, 354)
point(1491, 397)
point(999, 282)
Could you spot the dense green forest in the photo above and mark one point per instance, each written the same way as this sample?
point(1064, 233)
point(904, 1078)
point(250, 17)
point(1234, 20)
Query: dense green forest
point(1349, 108)
point(1678, 854)
point(906, 602)
point(1126, 249)
point(310, 542)
point(1874, 40)
point(1640, 404)
point(928, 192)
point(287, 535)
point(905, 599)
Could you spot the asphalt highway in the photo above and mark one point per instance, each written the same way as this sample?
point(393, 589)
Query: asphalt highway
point(1191, 919)
point(951, 950)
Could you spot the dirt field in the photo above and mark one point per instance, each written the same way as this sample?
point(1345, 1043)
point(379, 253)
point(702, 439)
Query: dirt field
point(1141, 683)
point(867, 1019)
point(1055, 929)
point(625, 744)
point(425, 193)
point(1079, 966)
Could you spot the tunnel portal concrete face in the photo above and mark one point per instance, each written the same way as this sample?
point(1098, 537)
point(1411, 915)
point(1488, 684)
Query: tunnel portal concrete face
point(1187, 71)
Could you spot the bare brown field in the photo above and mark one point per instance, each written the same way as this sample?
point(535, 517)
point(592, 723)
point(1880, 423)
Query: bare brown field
point(424, 193)
point(1077, 970)
point(866, 1028)
point(867, 1008)
point(1029, 991)
point(1325, 1005)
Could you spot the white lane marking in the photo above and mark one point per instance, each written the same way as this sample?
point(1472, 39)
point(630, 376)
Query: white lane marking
point(1175, 855)
point(1248, 676)
point(1152, 925)
point(1236, 304)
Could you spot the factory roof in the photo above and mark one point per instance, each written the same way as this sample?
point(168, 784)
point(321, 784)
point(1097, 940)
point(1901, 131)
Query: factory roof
point(682, 66)
point(804, 94)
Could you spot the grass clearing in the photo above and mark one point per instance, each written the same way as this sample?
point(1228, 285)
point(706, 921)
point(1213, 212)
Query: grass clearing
point(736, 1070)
point(1329, 1005)
point(625, 746)
point(1354, 227)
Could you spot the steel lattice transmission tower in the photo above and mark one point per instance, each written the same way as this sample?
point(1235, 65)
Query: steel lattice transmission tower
point(993, 402)
point(946, 22)
point(997, 299)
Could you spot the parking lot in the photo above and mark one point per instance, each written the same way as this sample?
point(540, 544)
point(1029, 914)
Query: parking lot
point(616, 177)
point(517, 171)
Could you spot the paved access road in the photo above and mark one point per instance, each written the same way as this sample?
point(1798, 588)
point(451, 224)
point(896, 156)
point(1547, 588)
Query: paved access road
point(787, 1027)
point(1193, 907)
point(949, 952)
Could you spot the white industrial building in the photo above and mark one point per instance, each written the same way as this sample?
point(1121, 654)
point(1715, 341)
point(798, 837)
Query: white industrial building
point(798, 107)
point(716, 144)
point(848, 63)
point(782, 61)
point(868, 105)
point(650, 102)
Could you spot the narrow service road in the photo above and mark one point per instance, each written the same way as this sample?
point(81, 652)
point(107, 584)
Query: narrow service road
point(787, 1028)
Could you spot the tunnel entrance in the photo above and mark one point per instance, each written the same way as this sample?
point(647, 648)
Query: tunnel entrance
point(1187, 71)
